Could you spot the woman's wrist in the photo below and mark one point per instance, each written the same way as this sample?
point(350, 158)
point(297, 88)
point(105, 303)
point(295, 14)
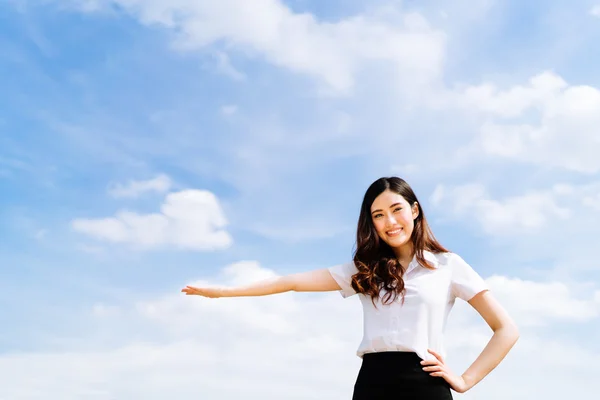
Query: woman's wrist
point(469, 381)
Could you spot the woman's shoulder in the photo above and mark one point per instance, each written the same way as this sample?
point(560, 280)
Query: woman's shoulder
point(442, 258)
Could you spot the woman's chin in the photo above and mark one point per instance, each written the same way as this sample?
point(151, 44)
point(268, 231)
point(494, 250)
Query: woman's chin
point(397, 243)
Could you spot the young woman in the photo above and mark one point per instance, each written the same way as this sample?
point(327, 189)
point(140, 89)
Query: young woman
point(407, 283)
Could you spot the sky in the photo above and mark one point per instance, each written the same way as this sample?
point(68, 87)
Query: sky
point(146, 145)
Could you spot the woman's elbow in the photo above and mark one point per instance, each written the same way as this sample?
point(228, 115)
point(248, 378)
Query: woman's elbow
point(289, 283)
point(312, 281)
point(511, 330)
point(506, 326)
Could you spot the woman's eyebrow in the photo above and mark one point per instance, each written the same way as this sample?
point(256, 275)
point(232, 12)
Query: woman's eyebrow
point(392, 206)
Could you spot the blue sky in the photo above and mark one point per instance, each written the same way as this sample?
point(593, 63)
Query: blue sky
point(275, 118)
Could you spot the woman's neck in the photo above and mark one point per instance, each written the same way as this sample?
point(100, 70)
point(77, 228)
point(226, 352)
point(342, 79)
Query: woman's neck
point(405, 254)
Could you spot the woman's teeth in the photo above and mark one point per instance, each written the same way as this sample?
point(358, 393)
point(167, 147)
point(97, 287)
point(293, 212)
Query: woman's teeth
point(394, 233)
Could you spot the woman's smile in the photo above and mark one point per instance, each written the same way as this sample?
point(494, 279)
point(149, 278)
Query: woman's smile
point(395, 232)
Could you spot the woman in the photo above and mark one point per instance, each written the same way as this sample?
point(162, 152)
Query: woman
point(407, 283)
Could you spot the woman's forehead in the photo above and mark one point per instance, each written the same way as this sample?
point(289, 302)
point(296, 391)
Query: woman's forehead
point(386, 199)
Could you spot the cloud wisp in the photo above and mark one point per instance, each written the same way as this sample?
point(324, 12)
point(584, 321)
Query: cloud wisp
point(188, 220)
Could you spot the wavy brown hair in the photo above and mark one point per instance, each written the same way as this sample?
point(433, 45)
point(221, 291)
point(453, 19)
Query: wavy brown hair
point(378, 267)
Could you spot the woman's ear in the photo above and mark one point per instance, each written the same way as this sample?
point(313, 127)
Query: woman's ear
point(415, 210)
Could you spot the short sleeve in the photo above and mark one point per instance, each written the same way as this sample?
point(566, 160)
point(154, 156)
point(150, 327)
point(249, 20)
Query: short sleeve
point(342, 274)
point(466, 282)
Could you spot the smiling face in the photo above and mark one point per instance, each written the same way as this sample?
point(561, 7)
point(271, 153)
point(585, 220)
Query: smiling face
point(393, 218)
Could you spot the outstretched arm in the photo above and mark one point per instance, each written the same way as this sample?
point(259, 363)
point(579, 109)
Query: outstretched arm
point(312, 281)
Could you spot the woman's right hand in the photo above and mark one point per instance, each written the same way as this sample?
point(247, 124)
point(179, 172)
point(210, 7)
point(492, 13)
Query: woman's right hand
point(311, 281)
point(213, 293)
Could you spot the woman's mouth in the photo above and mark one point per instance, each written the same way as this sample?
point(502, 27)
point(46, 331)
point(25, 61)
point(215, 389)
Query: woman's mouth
point(395, 232)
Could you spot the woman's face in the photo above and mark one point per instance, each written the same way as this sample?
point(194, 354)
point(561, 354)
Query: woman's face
point(393, 218)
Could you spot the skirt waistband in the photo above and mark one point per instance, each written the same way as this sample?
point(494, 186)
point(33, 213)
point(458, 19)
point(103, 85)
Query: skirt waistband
point(392, 357)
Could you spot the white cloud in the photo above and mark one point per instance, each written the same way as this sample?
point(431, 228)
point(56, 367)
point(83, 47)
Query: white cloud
point(540, 304)
point(555, 228)
point(592, 200)
point(292, 346)
point(245, 272)
point(333, 52)
point(160, 184)
point(546, 122)
point(514, 101)
point(224, 66)
point(510, 216)
point(189, 219)
point(595, 11)
point(288, 346)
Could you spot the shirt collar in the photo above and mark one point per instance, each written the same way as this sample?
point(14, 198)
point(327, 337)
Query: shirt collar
point(429, 256)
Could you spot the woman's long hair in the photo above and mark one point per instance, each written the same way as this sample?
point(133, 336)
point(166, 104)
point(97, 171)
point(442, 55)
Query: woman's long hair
point(378, 267)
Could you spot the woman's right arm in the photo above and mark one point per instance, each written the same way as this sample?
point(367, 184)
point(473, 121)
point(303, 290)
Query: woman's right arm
point(312, 281)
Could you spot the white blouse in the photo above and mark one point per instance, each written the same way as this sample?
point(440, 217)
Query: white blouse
point(419, 323)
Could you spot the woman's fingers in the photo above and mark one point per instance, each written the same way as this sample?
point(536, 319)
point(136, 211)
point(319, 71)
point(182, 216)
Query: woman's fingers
point(206, 292)
point(435, 361)
point(436, 355)
point(190, 290)
point(433, 368)
point(430, 362)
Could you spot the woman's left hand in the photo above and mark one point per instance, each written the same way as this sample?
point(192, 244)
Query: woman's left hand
point(437, 367)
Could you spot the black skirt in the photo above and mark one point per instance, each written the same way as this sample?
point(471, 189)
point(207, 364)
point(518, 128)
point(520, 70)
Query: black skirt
point(396, 375)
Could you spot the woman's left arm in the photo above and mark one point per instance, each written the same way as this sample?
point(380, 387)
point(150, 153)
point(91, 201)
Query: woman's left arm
point(505, 336)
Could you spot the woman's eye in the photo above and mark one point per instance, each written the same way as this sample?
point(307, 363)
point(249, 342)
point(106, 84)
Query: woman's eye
point(398, 209)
